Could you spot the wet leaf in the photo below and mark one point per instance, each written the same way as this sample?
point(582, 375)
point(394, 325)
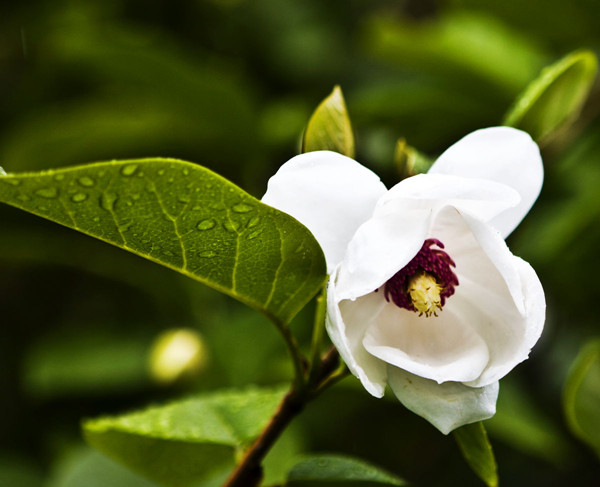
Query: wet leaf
point(187, 218)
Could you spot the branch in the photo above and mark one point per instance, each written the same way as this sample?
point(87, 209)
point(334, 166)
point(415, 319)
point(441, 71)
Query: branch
point(249, 472)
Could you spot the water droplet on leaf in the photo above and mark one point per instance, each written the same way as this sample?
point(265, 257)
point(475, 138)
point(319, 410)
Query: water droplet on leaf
point(86, 181)
point(253, 222)
point(206, 225)
point(255, 234)
point(129, 170)
point(231, 226)
point(242, 208)
point(107, 201)
point(47, 193)
point(79, 197)
point(207, 254)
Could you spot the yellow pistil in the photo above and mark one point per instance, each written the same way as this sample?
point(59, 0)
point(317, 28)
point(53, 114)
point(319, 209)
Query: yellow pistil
point(424, 292)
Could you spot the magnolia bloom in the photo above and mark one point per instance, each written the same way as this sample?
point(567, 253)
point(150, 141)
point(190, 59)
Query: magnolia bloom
point(424, 295)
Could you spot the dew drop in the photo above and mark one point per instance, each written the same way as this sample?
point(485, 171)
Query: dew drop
point(186, 172)
point(86, 181)
point(231, 226)
point(2, 171)
point(253, 222)
point(23, 197)
point(184, 199)
point(129, 170)
point(207, 253)
point(79, 197)
point(107, 201)
point(125, 226)
point(255, 234)
point(242, 208)
point(206, 224)
point(96, 219)
point(161, 172)
point(59, 177)
point(47, 193)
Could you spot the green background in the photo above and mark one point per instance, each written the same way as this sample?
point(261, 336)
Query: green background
point(231, 84)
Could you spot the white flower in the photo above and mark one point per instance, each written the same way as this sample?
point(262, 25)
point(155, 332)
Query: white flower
point(439, 326)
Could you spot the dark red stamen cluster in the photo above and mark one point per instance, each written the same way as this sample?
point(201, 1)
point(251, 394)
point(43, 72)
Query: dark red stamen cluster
point(435, 262)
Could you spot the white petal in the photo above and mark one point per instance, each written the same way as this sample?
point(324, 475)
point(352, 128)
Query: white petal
point(443, 348)
point(380, 248)
point(498, 293)
point(502, 154)
point(331, 194)
point(447, 406)
point(347, 333)
point(481, 198)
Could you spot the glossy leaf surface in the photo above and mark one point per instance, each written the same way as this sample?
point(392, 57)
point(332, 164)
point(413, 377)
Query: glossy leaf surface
point(187, 218)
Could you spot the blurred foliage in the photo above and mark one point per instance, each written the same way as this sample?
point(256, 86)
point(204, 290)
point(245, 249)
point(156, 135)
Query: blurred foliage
point(231, 84)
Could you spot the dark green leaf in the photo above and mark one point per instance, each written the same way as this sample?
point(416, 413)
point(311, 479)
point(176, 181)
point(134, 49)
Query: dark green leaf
point(555, 98)
point(473, 442)
point(336, 470)
point(189, 441)
point(582, 395)
point(329, 127)
point(187, 218)
point(409, 161)
point(84, 467)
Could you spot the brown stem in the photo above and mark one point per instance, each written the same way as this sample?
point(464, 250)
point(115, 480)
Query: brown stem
point(249, 472)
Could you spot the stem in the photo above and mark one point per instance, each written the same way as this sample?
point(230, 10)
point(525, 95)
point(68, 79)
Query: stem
point(317, 336)
point(249, 472)
point(297, 358)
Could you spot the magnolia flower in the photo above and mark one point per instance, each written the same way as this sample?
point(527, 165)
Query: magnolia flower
point(423, 294)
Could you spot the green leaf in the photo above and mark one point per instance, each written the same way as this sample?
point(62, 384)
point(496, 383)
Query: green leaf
point(329, 127)
point(410, 161)
point(581, 397)
point(187, 218)
point(83, 466)
point(185, 442)
point(556, 97)
point(473, 442)
point(336, 470)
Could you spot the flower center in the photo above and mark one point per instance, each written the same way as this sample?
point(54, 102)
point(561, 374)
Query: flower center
point(425, 282)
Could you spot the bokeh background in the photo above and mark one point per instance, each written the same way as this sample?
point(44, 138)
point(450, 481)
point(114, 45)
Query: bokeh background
point(230, 84)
